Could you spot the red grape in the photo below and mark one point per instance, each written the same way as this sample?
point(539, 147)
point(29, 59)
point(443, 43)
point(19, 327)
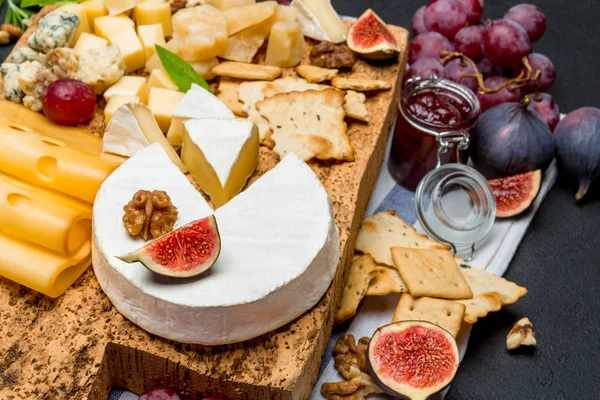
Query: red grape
point(468, 41)
point(424, 67)
point(457, 68)
point(505, 43)
point(530, 17)
point(417, 23)
point(488, 69)
point(159, 393)
point(428, 45)
point(472, 8)
point(445, 17)
point(68, 102)
point(548, 76)
point(490, 100)
point(546, 107)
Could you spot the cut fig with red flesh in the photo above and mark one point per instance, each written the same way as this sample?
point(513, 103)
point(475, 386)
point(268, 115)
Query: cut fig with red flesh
point(514, 194)
point(412, 359)
point(187, 251)
point(371, 38)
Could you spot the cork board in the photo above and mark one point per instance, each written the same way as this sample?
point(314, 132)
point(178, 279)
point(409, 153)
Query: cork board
point(78, 346)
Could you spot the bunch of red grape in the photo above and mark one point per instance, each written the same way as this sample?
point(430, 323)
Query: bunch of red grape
point(497, 47)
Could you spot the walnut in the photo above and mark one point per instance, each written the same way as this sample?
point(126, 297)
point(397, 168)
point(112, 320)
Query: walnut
point(150, 213)
point(329, 55)
point(4, 37)
point(347, 354)
point(12, 30)
point(521, 334)
point(357, 387)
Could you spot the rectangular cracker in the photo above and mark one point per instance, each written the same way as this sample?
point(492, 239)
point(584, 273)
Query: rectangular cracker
point(254, 72)
point(316, 74)
point(361, 272)
point(361, 85)
point(446, 314)
point(309, 124)
point(431, 272)
point(355, 106)
point(228, 94)
point(384, 230)
point(386, 280)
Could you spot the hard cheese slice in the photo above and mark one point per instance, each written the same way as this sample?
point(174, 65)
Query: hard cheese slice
point(197, 103)
point(280, 249)
point(221, 155)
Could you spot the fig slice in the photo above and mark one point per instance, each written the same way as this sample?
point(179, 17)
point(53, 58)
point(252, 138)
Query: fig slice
point(187, 251)
point(412, 359)
point(514, 194)
point(370, 37)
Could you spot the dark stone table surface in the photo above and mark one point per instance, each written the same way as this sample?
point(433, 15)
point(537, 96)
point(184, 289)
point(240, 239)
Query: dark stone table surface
point(559, 258)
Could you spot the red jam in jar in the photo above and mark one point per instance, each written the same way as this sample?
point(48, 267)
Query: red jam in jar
point(435, 116)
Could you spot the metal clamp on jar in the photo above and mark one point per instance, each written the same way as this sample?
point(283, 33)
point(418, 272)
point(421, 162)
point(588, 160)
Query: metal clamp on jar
point(454, 203)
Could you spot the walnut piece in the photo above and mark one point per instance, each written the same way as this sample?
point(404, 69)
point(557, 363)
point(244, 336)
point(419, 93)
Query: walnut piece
point(4, 37)
point(521, 334)
point(357, 387)
point(149, 213)
point(330, 55)
point(347, 354)
point(13, 30)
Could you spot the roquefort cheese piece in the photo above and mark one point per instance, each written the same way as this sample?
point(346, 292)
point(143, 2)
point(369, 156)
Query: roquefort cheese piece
point(100, 67)
point(34, 78)
point(24, 54)
point(12, 90)
point(62, 62)
point(54, 30)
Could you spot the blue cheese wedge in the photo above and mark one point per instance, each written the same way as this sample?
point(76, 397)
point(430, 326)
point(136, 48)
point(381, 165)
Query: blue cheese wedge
point(24, 54)
point(54, 30)
point(10, 75)
point(100, 67)
point(280, 250)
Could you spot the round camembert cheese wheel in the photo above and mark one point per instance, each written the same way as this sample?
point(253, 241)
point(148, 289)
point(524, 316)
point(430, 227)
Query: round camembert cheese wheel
point(279, 253)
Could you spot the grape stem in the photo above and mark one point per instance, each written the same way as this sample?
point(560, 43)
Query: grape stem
point(526, 75)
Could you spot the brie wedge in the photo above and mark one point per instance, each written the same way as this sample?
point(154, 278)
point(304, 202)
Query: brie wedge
point(279, 253)
point(197, 103)
point(221, 154)
point(319, 20)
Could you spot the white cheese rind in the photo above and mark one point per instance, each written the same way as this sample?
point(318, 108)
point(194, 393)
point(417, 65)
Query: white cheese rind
point(200, 103)
point(280, 250)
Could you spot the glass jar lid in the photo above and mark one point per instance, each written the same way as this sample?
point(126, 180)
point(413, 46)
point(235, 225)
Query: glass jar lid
point(455, 205)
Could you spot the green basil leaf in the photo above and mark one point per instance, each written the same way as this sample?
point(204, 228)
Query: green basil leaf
point(42, 3)
point(180, 71)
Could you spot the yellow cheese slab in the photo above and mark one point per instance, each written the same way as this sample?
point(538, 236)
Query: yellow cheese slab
point(241, 18)
point(286, 45)
point(84, 24)
point(159, 78)
point(40, 269)
point(150, 36)
point(28, 213)
point(42, 161)
point(89, 41)
point(162, 102)
point(103, 26)
point(117, 101)
point(154, 12)
point(128, 86)
point(94, 9)
point(130, 46)
point(21, 118)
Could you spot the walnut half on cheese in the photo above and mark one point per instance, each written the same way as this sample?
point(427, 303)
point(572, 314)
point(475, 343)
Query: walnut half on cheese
point(521, 334)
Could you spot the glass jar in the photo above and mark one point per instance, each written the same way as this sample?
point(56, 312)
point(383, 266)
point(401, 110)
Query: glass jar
point(435, 116)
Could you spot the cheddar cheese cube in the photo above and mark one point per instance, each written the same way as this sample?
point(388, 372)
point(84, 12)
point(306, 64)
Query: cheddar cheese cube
point(153, 12)
point(115, 7)
point(94, 9)
point(130, 46)
point(159, 78)
point(116, 102)
point(162, 102)
point(88, 41)
point(128, 86)
point(103, 26)
point(150, 36)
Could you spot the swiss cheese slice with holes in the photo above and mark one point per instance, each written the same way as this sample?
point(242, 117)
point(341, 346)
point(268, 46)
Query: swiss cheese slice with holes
point(279, 252)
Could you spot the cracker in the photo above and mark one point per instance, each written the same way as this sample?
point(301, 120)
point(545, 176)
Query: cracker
point(250, 93)
point(384, 230)
point(316, 74)
point(228, 94)
point(490, 292)
point(361, 85)
point(361, 272)
point(309, 124)
point(386, 280)
point(431, 272)
point(355, 107)
point(240, 70)
point(446, 314)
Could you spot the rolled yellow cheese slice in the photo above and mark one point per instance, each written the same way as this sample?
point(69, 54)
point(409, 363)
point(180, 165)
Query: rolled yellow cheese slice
point(40, 269)
point(29, 213)
point(48, 162)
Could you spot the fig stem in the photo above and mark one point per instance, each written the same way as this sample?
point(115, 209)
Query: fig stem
point(526, 75)
point(583, 188)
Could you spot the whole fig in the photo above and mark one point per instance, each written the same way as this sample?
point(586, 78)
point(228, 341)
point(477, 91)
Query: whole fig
point(578, 146)
point(510, 139)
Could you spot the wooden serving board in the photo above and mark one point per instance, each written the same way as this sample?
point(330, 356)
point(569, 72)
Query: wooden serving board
point(78, 346)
